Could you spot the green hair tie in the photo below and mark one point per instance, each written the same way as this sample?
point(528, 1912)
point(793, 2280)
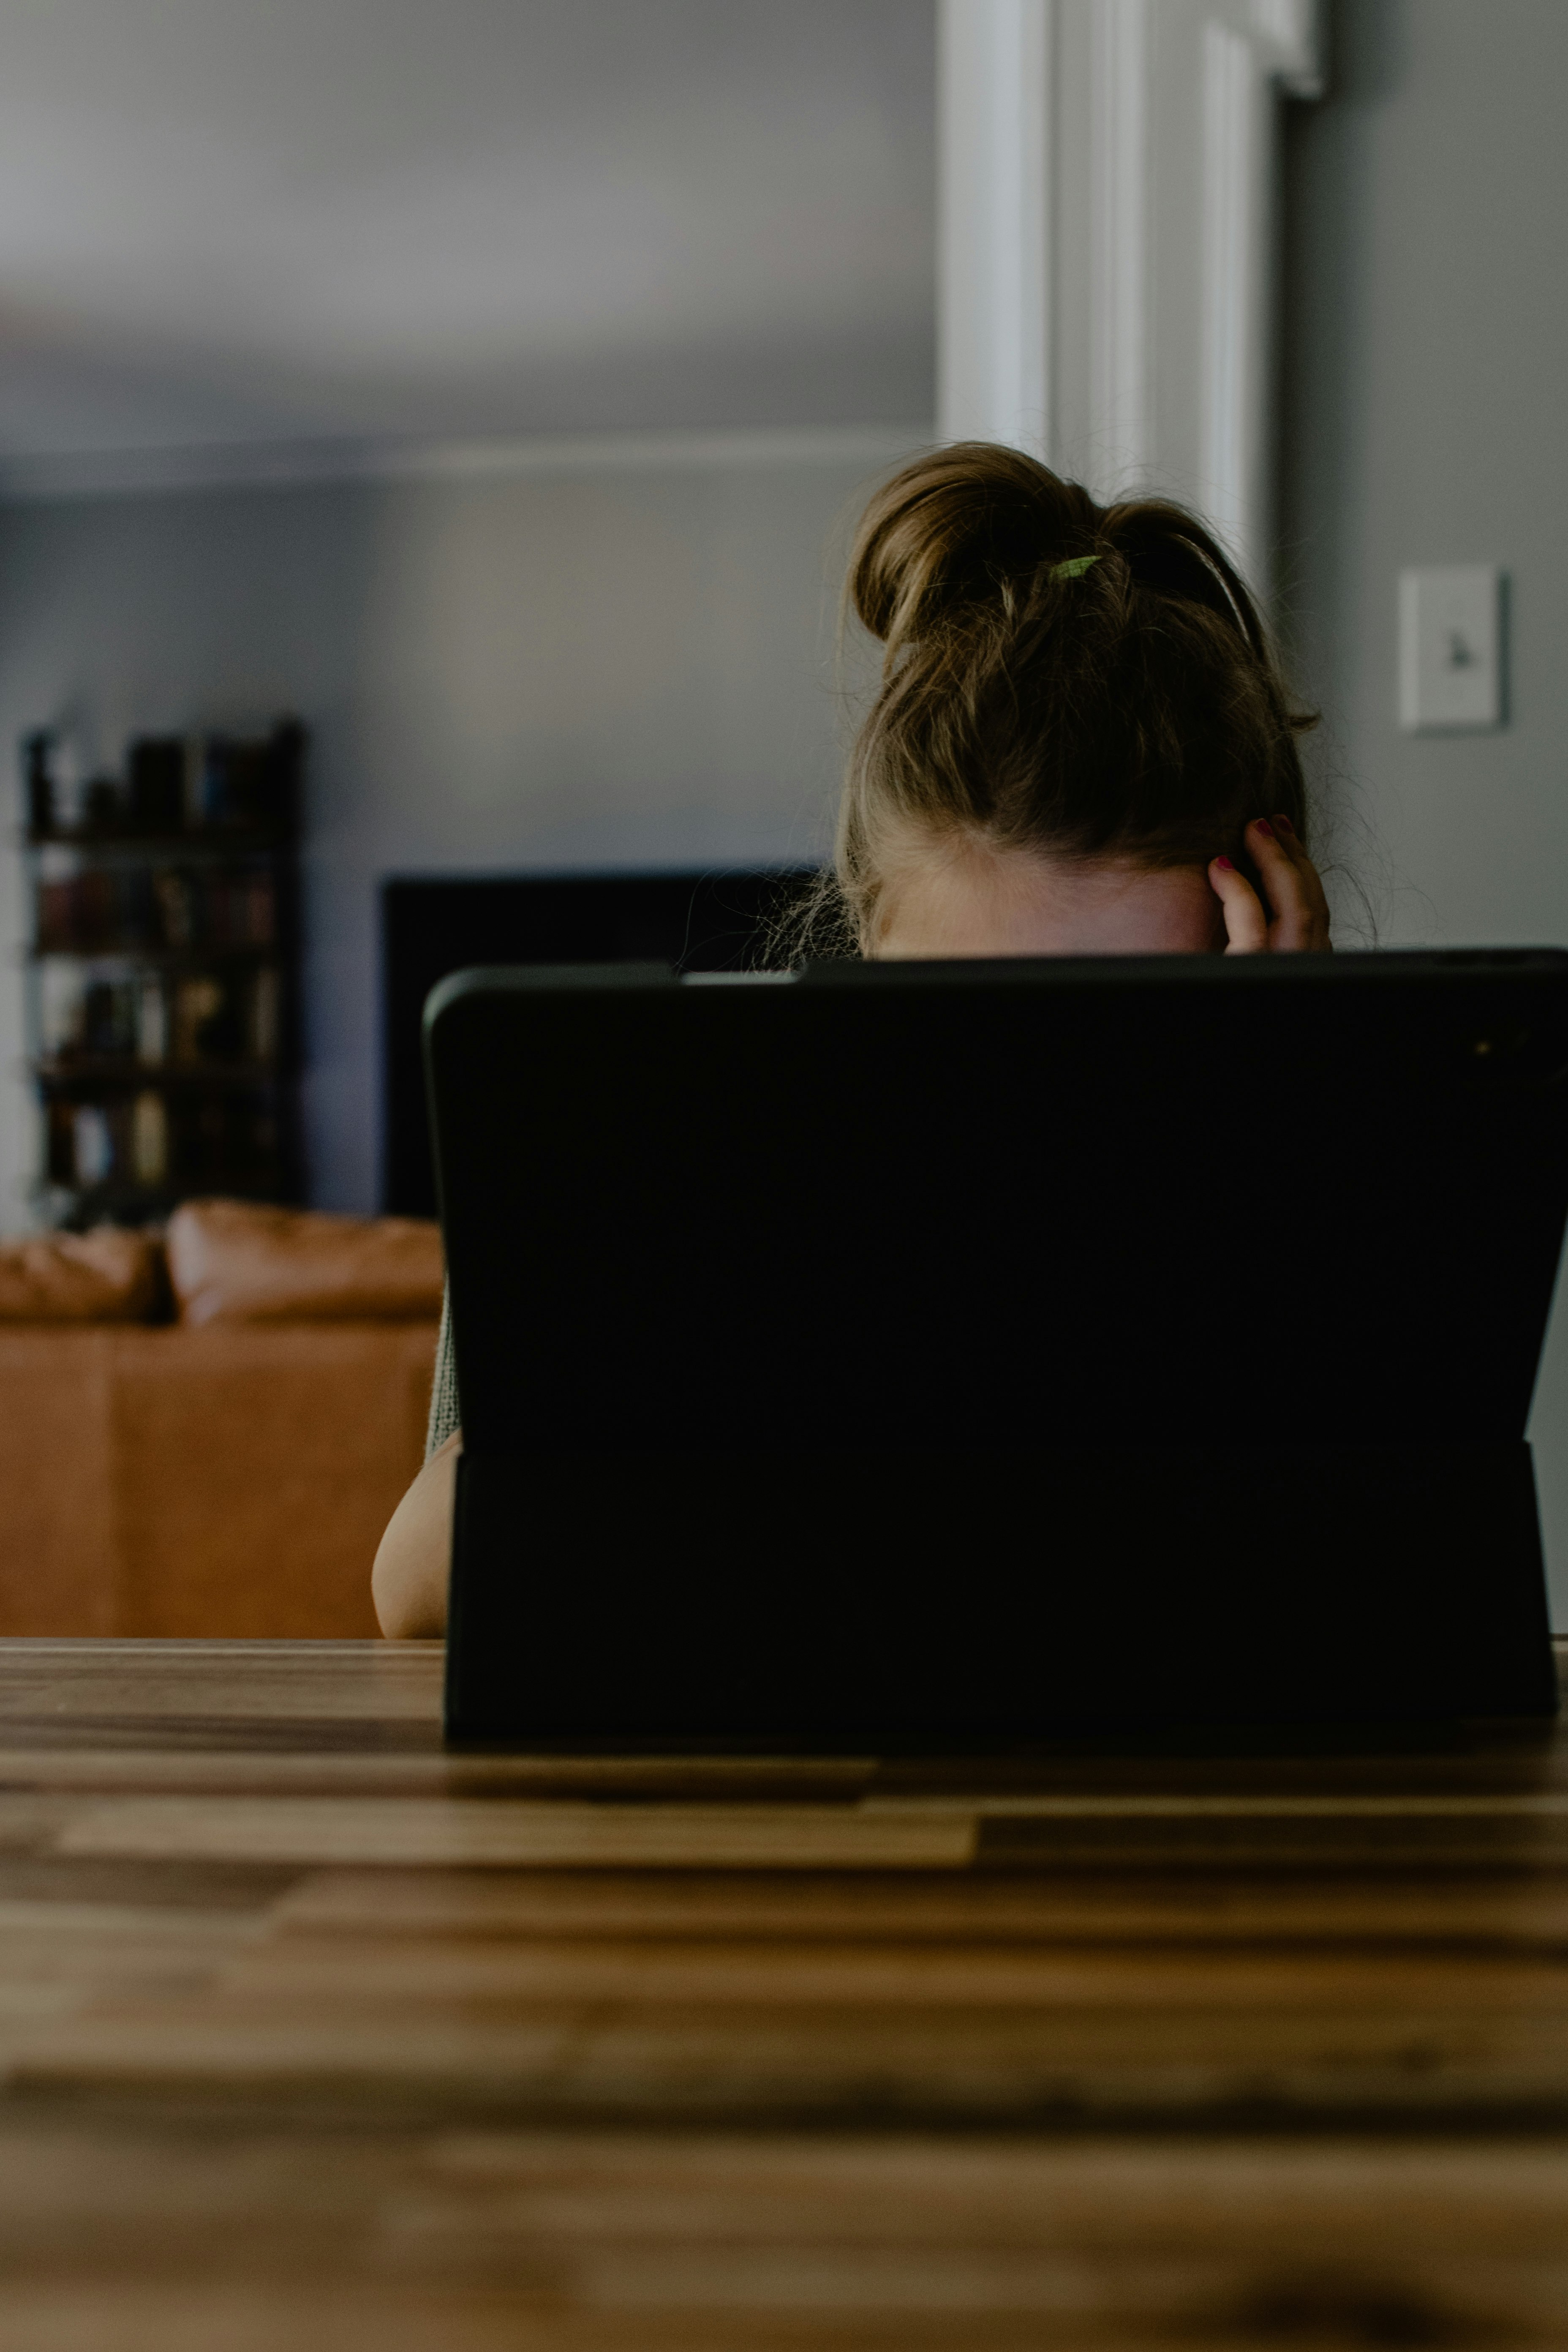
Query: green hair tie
point(1074, 568)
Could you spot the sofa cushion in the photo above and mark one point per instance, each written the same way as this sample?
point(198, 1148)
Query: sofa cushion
point(221, 1483)
point(106, 1277)
point(239, 1262)
point(256, 1466)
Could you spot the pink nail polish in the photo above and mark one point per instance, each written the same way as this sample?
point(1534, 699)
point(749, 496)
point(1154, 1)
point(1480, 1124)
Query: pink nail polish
point(1284, 824)
point(1227, 863)
point(1265, 829)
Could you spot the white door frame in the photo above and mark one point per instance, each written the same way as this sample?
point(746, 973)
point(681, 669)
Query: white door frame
point(1108, 231)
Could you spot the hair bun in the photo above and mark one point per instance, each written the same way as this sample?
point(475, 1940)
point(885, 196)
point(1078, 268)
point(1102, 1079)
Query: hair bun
point(1085, 682)
point(957, 527)
point(1166, 550)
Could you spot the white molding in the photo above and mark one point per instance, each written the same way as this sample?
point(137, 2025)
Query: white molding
point(1108, 234)
point(1235, 393)
point(995, 60)
point(150, 473)
point(1119, 290)
point(1251, 57)
point(1293, 38)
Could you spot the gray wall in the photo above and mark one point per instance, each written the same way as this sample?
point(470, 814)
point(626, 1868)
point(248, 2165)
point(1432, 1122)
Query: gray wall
point(1427, 351)
point(625, 667)
point(1426, 355)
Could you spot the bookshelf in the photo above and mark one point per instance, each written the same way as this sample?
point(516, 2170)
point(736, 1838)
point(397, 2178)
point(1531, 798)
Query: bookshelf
point(163, 973)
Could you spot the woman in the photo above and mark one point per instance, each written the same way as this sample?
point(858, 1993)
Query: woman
point(1081, 744)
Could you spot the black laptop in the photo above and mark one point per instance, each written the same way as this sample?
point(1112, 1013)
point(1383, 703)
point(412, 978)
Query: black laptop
point(967, 1354)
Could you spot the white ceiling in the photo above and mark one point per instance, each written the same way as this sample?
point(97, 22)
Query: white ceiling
point(278, 221)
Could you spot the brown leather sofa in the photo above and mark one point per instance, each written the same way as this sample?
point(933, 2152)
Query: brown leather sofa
point(226, 1472)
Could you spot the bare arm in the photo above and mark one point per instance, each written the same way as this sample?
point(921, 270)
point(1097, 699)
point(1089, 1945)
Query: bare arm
point(408, 1582)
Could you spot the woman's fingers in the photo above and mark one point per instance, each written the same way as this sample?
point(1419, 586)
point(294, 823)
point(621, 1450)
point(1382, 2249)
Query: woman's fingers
point(1317, 897)
point(1295, 915)
point(1299, 908)
point(1246, 924)
point(1290, 924)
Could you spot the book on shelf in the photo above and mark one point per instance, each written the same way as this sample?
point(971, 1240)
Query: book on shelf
point(143, 1142)
point(162, 970)
point(156, 908)
point(195, 784)
point(157, 1018)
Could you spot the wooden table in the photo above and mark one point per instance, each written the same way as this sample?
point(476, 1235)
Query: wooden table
point(316, 2036)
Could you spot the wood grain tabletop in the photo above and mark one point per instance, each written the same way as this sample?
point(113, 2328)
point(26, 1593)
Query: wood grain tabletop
point(315, 2035)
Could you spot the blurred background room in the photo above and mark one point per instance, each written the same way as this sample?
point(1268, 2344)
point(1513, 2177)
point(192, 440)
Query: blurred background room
point(428, 438)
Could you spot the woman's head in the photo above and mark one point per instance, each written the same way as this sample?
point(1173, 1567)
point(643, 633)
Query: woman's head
point(1079, 710)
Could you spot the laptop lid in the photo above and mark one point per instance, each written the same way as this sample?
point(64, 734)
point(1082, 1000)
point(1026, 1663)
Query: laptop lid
point(1171, 1208)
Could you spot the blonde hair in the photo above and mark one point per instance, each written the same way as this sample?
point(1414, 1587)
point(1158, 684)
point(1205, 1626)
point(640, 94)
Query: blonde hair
point(1086, 681)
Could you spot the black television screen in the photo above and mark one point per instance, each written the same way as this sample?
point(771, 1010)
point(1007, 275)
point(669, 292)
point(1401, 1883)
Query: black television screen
point(431, 925)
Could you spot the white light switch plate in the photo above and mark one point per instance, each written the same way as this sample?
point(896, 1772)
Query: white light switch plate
point(1450, 662)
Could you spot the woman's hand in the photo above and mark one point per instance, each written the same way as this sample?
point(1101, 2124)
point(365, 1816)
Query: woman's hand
point(1296, 916)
